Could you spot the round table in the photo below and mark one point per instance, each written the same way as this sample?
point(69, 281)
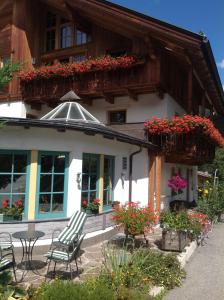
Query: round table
point(28, 240)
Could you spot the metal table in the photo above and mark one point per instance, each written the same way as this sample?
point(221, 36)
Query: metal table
point(28, 240)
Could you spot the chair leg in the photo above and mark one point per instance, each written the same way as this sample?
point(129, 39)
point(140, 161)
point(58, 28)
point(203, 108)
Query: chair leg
point(54, 267)
point(70, 270)
point(48, 267)
point(14, 271)
point(77, 267)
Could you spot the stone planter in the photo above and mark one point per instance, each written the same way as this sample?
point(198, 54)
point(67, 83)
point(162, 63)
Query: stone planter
point(10, 218)
point(174, 240)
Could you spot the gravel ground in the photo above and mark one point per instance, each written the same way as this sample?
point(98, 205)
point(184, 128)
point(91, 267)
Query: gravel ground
point(205, 271)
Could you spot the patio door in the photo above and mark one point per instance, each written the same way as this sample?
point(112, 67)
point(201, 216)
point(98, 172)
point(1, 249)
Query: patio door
point(51, 200)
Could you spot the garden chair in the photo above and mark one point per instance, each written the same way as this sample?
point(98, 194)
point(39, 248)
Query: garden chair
point(71, 233)
point(6, 245)
point(6, 263)
point(63, 254)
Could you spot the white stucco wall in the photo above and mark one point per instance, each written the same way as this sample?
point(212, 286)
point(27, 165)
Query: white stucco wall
point(192, 182)
point(13, 109)
point(147, 107)
point(77, 143)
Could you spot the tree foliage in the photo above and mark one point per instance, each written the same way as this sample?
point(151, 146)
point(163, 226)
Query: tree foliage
point(217, 164)
point(7, 73)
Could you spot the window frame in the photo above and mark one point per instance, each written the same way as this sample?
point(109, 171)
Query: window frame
point(57, 29)
point(12, 173)
point(97, 156)
point(52, 215)
point(110, 189)
point(116, 111)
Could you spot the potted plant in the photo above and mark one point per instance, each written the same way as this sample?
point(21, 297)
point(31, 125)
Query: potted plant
point(134, 219)
point(178, 228)
point(11, 213)
point(91, 207)
point(177, 185)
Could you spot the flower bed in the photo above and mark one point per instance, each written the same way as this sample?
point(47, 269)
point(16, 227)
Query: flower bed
point(105, 63)
point(185, 125)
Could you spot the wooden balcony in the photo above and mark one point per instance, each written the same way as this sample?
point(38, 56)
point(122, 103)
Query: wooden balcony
point(188, 149)
point(140, 78)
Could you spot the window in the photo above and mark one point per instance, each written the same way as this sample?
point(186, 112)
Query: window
point(51, 20)
point(82, 37)
point(117, 117)
point(52, 184)
point(61, 33)
point(108, 181)
point(13, 176)
point(66, 36)
point(90, 176)
point(50, 40)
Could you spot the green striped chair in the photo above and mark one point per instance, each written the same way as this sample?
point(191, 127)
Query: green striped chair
point(71, 233)
point(6, 244)
point(6, 264)
point(65, 255)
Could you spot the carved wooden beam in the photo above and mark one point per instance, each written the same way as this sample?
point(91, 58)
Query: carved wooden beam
point(88, 101)
point(109, 98)
point(36, 106)
point(81, 22)
point(132, 95)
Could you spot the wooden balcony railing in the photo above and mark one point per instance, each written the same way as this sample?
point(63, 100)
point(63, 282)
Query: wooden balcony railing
point(189, 149)
point(139, 78)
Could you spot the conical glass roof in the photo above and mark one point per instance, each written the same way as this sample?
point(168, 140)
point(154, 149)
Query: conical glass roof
point(70, 112)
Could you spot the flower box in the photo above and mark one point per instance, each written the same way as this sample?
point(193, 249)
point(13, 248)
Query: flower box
point(173, 240)
point(10, 218)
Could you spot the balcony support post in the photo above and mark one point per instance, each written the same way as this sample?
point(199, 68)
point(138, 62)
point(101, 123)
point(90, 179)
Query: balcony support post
point(190, 90)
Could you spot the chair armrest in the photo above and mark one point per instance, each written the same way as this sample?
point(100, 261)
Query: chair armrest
point(6, 234)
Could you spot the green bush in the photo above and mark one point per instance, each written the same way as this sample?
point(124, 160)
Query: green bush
point(61, 290)
point(162, 269)
point(211, 200)
point(8, 290)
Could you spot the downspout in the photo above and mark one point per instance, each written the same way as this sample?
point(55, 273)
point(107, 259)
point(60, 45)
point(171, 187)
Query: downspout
point(130, 171)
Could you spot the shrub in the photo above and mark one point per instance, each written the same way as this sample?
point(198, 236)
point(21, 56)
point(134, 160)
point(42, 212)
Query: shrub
point(60, 290)
point(211, 200)
point(161, 269)
point(8, 290)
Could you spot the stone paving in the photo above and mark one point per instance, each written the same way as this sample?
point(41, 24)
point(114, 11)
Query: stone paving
point(89, 263)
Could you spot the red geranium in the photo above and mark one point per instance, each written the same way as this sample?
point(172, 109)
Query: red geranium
point(66, 70)
point(5, 203)
point(84, 203)
point(183, 125)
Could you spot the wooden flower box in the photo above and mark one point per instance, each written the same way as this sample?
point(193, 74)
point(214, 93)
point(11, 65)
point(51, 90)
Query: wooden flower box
point(173, 240)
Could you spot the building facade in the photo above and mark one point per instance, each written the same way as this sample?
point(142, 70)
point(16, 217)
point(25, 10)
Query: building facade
point(155, 70)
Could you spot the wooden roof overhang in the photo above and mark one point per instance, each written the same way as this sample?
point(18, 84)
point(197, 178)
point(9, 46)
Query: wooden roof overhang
point(195, 49)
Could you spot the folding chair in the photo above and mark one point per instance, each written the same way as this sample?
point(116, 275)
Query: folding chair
point(6, 264)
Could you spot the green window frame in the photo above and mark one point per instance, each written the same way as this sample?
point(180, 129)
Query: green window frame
point(90, 177)
point(52, 185)
point(108, 181)
point(14, 177)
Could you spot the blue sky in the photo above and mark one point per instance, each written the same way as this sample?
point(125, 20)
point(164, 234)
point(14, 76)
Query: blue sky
point(194, 15)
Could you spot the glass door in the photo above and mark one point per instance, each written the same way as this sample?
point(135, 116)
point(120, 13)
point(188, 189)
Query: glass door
point(52, 185)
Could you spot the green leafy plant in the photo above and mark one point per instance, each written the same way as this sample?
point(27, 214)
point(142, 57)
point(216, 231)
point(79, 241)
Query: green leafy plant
point(135, 220)
point(9, 291)
point(7, 72)
point(161, 269)
point(15, 210)
point(180, 222)
point(211, 200)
